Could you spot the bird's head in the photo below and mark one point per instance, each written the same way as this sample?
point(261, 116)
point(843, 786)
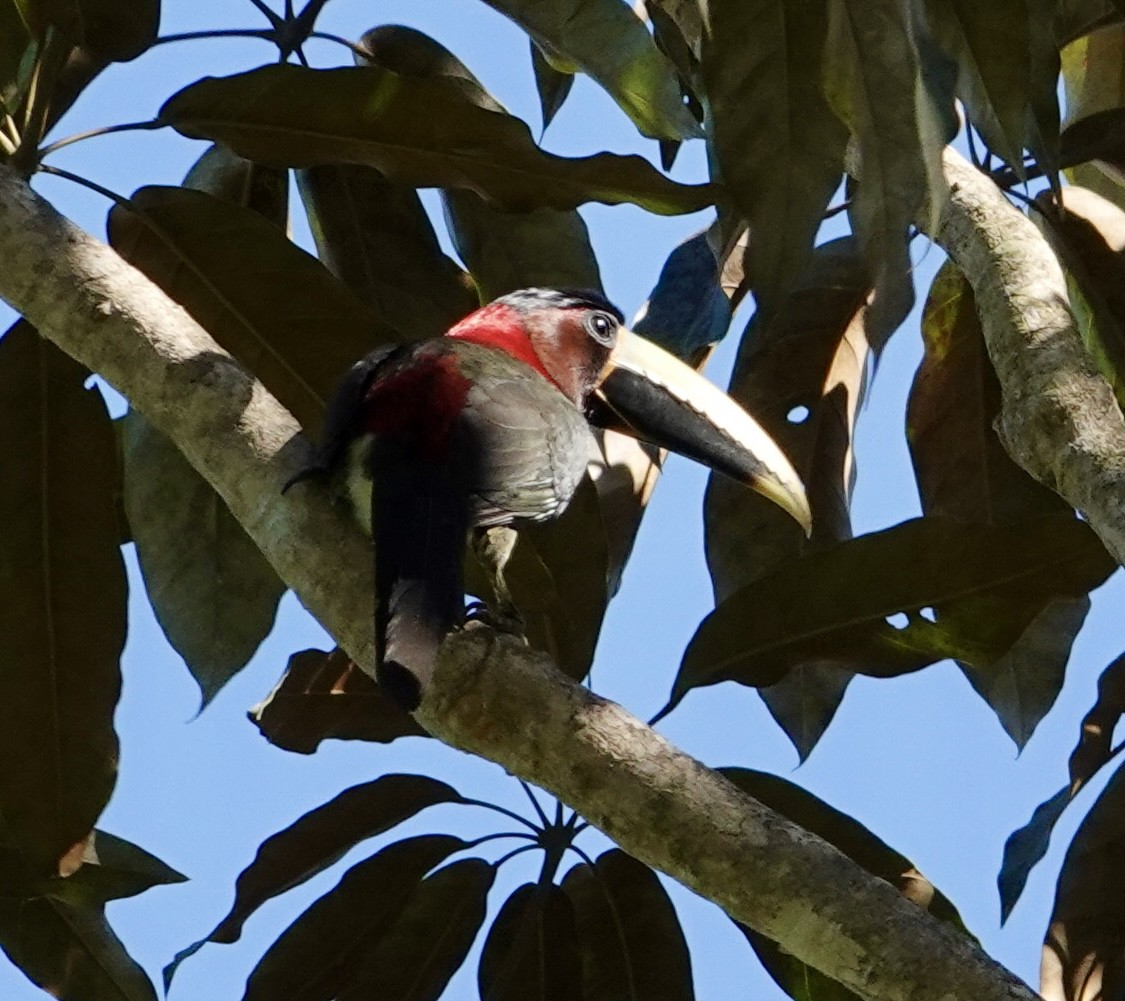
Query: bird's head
point(578, 341)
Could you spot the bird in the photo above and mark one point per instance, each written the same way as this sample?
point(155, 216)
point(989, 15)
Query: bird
point(464, 437)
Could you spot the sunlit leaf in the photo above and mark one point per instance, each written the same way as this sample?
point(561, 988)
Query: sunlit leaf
point(776, 143)
point(273, 306)
point(874, 84)
point(800, 372)
point(1084, 951)
point(324, 696)
point(375, 236)
point(416, 957)
point(312, 959)
point(609, 42)
point(860, 845)
point(531, 952)
point(552, 85)
point(633, 948)
point(70, 951)
point(1026, 846)
point(895, 601)
point(423, 132)
point(62, 600)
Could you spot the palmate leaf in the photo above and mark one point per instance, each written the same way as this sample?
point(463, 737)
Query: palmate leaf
point(963, 472)
point(860, 845)
point(117, 30)
point(810, 354)
point(777, 144)
point(531, 952)
point(608, 41)
point(1084, 950)
point(633, 948)
point(319, 840)
point(315, 957)
point(1026, 846)
point(273, 306)
point(62, 601)
point(324, 696)
point(423, 132)
point(980, 586)
point(416, 957)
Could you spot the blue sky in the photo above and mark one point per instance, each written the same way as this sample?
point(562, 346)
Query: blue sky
point(920, 760)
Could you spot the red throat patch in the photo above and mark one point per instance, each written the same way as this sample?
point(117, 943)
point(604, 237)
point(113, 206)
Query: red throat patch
point(499, 326)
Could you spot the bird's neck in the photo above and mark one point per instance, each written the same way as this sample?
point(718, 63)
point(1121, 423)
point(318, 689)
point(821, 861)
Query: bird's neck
point(501, 327)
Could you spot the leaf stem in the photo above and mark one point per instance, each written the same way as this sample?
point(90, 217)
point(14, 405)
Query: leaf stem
point(327, 36)
point(105, 130)
point(268, 13)
point(510, 814)
point(535, 803)
point(266, 34)
point(113, 196)
point(512, 854)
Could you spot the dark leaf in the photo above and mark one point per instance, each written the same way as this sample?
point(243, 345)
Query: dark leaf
point(213, 593)
point(70, 951)
point(1088, 234)
point(531, 953)
point(777, 145)
point(800, 372)
point(505, 251)
point(274, 307)
point(312, 958)
point(15, 42)
point(112, 868)
point(323, 836)
point(961, 591)
point(874, 82)
point(62, 600)
point(1084, 951)
point(415, 958)
point(375, 236)
point(1025, 847)
point(855, 841)
point(632, 946)
point(605, 39)
point(117, 30)
point(687, 310)
point(325, 695)
point(1100, 136)
point(552, 85)
point(226, 175)
point(422, 132)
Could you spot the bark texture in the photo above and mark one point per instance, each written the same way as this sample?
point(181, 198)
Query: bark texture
point(491, 695)
point(1059, 419)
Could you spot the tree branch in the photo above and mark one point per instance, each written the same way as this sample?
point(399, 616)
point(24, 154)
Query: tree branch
point(1059, 419)
point(491, 695)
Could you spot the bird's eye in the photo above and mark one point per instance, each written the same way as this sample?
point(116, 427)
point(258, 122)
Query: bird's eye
point(601, 327)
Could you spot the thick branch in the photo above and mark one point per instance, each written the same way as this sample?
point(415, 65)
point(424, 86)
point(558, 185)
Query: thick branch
point(1059, 418)
point(491, 695)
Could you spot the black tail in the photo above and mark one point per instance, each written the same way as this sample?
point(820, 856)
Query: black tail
point(419, 521)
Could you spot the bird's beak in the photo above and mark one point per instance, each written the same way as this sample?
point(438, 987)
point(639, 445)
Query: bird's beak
point(650, 394)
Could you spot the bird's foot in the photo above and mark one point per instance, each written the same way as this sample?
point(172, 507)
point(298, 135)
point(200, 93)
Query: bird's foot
point(506, 619)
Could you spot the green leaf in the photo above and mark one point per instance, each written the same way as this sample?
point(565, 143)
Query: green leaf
point(860, 845)
point(312, 959)
point(416, 957)
point(979, 586)
point(118, 30)
point(1085, 941)
point(213, 593)
point(633, 948)
point(111, 868)
point(531, 952)
point(777, 144)
point(1088, 234)
point(806, 359)
point(224, 174)
point(1026, 846)
point(422, 132)
point(608, 41)
point(375, 237)
point(552, 85)
point(874, 84)
point(70, 951)
point(15, 41)
point(62, 600)
point(324, 695)
point(274, 307)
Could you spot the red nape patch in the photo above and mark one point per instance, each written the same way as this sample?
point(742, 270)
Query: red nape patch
point(424, 399)
point(499, 326)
